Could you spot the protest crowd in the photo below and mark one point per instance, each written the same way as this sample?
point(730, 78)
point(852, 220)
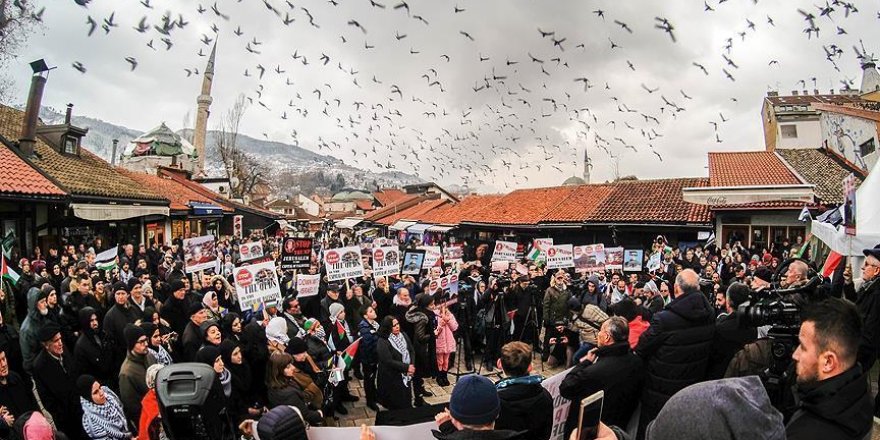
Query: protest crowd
point(86, 329)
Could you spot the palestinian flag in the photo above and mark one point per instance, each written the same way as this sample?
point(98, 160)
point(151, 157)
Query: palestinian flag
point(831, 263)
point(340, 329)
point(7, 272)
point(107, 260)
point(347, 356)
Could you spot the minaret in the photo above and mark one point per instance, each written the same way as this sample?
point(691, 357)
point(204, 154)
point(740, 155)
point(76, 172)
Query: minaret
point(587, 166)
point(870, 77)
point(202, 113)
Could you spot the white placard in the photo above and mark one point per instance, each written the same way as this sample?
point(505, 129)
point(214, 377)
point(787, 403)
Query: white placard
point(560, 405)
point(256, 283)
point(386, 261)
point(432, 256)
point(199, 253)
point(504, 251)
point(307, 285)
point(343, 263)
point(560, 256)
point(250, 251)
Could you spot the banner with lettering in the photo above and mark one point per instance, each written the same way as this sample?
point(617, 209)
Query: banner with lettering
point(432, 256)
point(504, 251)
point(386, 261)
point(257, 283)
point(199, 253)
point(560, 256)
point(560, 404)
point(307, 285)
point(296, 253)
point(590, 258)
point(250, 251)
point(343, 263)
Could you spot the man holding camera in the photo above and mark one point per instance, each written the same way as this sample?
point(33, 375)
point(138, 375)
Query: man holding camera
point(834, 397)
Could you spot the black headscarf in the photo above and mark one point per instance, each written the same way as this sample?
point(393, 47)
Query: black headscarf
point(84, 386)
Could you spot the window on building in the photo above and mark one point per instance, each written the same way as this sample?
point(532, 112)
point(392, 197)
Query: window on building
point(789, 130)
point(70, 145)
point(867, 148)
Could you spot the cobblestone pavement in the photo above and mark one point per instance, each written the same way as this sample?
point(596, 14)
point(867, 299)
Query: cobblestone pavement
point(359, 414)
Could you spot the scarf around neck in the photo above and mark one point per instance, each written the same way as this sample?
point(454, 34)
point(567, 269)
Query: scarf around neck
point(399, 343)
point(105, 421)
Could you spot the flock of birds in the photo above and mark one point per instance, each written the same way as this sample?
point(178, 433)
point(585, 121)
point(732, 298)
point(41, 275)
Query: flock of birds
point(466, 119)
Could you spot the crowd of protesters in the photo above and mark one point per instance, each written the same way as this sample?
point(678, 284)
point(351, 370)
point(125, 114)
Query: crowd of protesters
point(81, 347)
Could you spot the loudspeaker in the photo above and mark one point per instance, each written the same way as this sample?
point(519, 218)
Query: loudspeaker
point(182, 390)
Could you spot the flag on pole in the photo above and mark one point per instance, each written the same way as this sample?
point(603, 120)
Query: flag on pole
point(340, 329)
point(7, 243)
point(107, 260)
point(7, 272)
point(347, 356)
point(805, 215)
point(831, 263)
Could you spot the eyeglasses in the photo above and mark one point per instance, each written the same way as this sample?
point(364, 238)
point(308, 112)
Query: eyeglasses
point(142, 341)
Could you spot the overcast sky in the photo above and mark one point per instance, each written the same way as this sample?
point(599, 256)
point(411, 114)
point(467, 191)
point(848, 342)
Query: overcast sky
point(529, 128)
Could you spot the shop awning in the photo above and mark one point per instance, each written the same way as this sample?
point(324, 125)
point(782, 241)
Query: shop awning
point(368, 232)
point(102, 212)
point(199, 208)
point(401, 225)
point(440, 229)
point(348, 223)
point(418, 228)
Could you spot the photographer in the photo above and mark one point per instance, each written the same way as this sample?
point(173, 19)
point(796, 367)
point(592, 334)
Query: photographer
point(555, 306)
point(496, 321)
point(524, 319)
point(835, 400)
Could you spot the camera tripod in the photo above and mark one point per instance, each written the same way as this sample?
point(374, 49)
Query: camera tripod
point(463, 344)
point(532, 319)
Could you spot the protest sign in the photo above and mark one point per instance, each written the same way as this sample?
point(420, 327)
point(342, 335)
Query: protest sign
point(199, 253)
point(237, 229)
point(589, 258)
point(504, 251)
point(614, 258)
point(307, 285)
point(343, 263)
point(296, 253)
point(257, 283)
point(539, 249)
point(560, 404)
point(386, 261)
point(408, 432)
point(849, 204)
point(412, 262)
point(453, 254)
point(560, 256)
point(632, 260)
point(432, 256)
point(500, 266)
point(654, 262)
point(250, 251)
point(450, 283)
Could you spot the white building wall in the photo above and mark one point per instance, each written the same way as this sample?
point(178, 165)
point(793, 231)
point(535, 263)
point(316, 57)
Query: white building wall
point(844, 134)
point(809, 135)
point(308, 205)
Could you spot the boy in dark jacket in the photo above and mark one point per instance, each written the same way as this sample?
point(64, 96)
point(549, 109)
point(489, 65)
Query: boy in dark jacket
point(525, 404)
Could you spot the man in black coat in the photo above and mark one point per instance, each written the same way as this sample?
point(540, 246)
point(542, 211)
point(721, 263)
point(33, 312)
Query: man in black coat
point(16, 396)
point(835, 400)
point(611, 367)
point(55, 378)
point(176, 307)
point(115, 320)
point(731, 334)
point(192, 339)
point(677, 345)
point(525, 404)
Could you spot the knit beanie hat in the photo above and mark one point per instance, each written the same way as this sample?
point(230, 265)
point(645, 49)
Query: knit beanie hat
point(208, 355)
point(45, 291)
point(336, 309)
point(474, 401)
point(120, 286)
point(133, 281)
point(311, 322)
point(176, 285)
point(717, 409)
point(48, 331)
point(281, 422)
point(84, 386)
point(276, 330)
point(132, 333)
point(297, 346)
point(194, 307)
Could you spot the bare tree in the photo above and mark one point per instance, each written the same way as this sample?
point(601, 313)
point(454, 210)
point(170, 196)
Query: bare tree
point(243, 170)
point(17, 19)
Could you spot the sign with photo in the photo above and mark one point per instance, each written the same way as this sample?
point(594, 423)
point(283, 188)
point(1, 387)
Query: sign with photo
point(386, 261)
point(632, 260)
point(849, 204)
point(343, 263)
point(432, 256)
point(412, 262)
point(256, 284)
point(237, 229)
point(296, 253)
point(199, 253)
point(590, 258)
point(307, 285)
point(614, 258)
point(654, 261)
point(560, 256)
point(453, 254)
point(504, 251)
point(450, 283)
point(250, 251)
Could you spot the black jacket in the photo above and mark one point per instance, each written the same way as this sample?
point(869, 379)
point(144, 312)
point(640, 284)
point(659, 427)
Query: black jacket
point(838, 408)
point(676, 347)
point(448, 432)
point(191, 341)
point(731, 335)
point(868, 302)
point(526, 407)
point(55, 382)
point(16, 395)
point(392, 392)
point(618, 372)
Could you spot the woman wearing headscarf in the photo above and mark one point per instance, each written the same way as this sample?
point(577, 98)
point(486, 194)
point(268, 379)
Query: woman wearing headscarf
point(156, 342)
point(338, 340)
point(226, 295)
point(394, 352)
point(243, 400)
point(103, 418)
point(284, 390)
point(231, 326)
point(215, 312)
point(150, 424)
point(90, 353)
point(216, 405)
point(367, 329)
point(424, 339)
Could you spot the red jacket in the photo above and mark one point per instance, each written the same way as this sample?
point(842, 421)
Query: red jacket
point(636, 328)
point(149, 411)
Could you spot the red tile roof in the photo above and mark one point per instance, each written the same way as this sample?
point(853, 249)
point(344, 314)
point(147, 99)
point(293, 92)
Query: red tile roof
point(451, 214)
point(18, 178)
point(850, 111)
point(364, 204)
point(397, 206)
point(415, 212)
point(522, 207)
point(582, 201)
point(650, 201)
point(178, 193)
point(813, 99)
point(388, 196)
point(749, 168)
point(773, 204)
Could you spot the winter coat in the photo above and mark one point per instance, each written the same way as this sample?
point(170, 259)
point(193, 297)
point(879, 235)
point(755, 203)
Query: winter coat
point(423, 339)
point(191, 341)
point(555, 305)
point(369, 338)
point(30, 329)
point(90, 355)
point(114, 323)
point(618, 372)
point(133, 383)
point(392, 393)
point(676, 347)
point(292, 395)
point(839, 407)
point(446, 338)
point(55, 381)
point(868, 303)
point(587, 324)
point(526, 407)
point(18, 398)
point(149, 412)
point(174, 311)
point(318, 349)
point(636, 327)
point(731, 335)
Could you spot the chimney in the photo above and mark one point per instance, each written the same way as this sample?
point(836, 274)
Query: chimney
point(794, 93)
point(31, 116)
point(806, 93)
point(815, 91)
point(69, 114)
point(772, 93)
point(832, 91)
point(115, 142)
